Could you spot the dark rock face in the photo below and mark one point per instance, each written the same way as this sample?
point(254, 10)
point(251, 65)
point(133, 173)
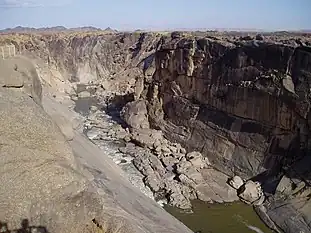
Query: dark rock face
point(246, 107)
point(241, 106)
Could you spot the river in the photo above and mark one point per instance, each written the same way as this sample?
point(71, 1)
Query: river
point(235, 217)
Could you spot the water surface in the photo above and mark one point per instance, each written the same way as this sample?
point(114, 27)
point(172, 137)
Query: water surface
point(220, 218)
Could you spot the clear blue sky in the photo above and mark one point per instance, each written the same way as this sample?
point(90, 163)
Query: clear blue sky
point(158, 14)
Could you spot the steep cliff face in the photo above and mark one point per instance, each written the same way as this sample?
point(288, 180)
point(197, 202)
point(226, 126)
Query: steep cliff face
point(245, 106)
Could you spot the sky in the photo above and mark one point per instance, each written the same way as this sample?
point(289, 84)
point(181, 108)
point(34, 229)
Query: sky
point(266, 15)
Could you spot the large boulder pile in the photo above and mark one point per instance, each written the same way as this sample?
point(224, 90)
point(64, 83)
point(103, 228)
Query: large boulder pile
point(172, 174)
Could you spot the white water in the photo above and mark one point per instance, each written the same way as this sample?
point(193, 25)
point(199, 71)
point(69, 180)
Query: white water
point(256, 229)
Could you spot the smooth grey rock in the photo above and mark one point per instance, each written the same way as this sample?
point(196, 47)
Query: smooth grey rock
point(236, 182)
point(285, 186)
point(215, 187)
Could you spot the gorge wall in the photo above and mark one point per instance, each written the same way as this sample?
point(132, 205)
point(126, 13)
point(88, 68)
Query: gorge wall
point(244, 104)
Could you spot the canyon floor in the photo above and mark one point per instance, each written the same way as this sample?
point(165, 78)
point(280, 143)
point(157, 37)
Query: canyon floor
point(105, 125)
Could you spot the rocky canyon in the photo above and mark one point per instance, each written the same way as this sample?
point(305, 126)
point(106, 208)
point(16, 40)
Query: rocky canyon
point(100, 128)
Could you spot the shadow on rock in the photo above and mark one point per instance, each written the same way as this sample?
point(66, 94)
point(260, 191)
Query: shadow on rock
point(24, 228)
point(116, 105)
point(297, 169)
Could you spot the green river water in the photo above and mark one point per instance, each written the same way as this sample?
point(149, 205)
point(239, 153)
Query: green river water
point(220, 218)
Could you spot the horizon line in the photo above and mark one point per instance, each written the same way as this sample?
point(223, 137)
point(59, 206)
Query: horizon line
point(221, 29)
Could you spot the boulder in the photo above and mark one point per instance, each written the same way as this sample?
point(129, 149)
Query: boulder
point(197, 160)
point(183, 150)
point(169, 161)
point(250, 192)
point(215, 187)
point(94, 133)
point(173, 149)
point(166, 149)
point(146, 137)
point(135, 114)
point(93, 108)
point(236, 182)
point(84, 94)
point(285, 186)
point(179, 195)
point(186, 168)
point(154, 182)
point(260, 201)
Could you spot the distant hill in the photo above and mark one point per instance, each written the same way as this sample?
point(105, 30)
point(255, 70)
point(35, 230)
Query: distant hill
point(109, 29)
point(20, 29)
